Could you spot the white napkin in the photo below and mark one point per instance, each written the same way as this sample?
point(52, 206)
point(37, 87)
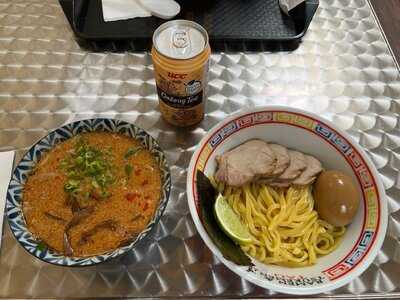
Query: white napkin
point(114, 10)
point(6, 163)
point(288, 5)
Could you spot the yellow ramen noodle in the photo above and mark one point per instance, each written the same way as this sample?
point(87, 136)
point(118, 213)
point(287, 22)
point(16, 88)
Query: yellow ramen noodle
point(286, 229)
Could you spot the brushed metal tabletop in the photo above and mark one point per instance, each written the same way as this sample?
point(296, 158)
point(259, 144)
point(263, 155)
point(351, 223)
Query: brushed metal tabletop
point(343, 70)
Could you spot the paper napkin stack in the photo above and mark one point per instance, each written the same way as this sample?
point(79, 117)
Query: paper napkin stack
point(114, 10)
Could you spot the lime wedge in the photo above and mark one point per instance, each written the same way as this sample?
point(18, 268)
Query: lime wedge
point(230, 222)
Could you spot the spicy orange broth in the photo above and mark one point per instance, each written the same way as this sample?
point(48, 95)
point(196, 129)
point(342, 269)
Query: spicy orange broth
point(131, 205)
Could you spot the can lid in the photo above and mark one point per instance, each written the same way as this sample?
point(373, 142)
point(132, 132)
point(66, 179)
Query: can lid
point(180, 39)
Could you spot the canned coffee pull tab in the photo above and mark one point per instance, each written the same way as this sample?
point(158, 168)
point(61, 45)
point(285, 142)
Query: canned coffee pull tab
point(181, 41)
point(180, 38)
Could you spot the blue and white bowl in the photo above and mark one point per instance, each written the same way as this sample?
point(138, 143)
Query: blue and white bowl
point(21, 173)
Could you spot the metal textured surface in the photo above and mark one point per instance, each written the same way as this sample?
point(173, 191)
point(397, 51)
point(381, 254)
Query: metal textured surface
point(343, 70)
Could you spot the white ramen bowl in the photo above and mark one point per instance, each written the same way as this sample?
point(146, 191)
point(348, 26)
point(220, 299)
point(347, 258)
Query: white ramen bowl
point(335, 149)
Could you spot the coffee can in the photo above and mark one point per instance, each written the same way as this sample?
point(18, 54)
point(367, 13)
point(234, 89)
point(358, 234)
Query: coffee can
point(181, 54)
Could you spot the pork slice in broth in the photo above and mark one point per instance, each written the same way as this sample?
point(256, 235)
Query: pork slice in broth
point(105, 225)
point(67, 245)
point(77, 218)
point(54, 217)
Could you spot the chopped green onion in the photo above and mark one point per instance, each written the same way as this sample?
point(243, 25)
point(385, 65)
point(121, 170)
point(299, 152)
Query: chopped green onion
point(80, 160)
point(71, 185)
point(105, 194)
point(132, 152)
point(88, 170)
point(41, 246)
point(64, 164)
point(95, 184)
point(128, 170)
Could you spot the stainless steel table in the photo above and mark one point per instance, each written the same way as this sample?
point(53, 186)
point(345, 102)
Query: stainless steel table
point(343, 70)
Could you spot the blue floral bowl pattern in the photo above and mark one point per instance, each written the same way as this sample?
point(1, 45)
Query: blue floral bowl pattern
point(15, 189)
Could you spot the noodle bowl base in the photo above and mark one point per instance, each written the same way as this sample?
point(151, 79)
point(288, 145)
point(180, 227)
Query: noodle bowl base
point(307, 133)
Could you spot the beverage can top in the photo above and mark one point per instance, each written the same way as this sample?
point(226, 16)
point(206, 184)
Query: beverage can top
point(180, 39)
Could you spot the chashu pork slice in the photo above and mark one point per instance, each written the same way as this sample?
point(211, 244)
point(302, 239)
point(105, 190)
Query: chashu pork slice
point(282, 159)
point(314, 167)
point(297, 165)
point(242, 164)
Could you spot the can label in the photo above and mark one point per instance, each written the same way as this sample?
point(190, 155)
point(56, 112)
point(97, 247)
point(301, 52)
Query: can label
point(180, 102)
point(180, 56)
point(181, 95)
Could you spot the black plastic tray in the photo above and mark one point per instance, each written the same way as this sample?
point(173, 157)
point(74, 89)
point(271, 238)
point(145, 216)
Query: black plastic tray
point(231, 22)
